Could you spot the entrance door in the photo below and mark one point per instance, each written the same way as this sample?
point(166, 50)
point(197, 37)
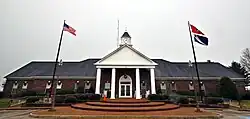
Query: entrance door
point(125, 87)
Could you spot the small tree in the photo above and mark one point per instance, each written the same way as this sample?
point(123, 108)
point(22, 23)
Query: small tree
point(228, 88)
point(245, 59)
point(238, 68)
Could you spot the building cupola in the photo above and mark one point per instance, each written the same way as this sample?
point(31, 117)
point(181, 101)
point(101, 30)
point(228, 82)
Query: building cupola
point(126, 39)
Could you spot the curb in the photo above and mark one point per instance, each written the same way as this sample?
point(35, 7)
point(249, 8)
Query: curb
point(123, 116)
point(25, 108)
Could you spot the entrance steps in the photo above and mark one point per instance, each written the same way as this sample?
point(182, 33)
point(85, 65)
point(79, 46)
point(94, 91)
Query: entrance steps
point(125, 105)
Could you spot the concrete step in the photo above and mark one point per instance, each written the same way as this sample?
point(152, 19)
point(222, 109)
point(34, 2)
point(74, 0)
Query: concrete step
point(108, 104)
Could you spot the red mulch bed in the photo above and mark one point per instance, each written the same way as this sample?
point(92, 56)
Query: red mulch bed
point(71, 111)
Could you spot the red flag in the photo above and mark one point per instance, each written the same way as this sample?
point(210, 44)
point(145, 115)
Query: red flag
point(68, 28)
point(195, 30)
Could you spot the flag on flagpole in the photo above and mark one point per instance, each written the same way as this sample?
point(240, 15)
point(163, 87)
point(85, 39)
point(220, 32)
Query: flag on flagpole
point(199, 37)
point(68, 28)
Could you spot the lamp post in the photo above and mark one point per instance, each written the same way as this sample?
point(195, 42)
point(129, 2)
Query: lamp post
point(191, 72)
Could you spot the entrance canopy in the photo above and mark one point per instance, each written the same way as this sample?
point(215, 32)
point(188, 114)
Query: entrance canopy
point(125, 57)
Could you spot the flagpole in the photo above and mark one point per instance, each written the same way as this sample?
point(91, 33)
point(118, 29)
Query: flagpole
point(118, 34)
point(54, 72)
point(196, 67)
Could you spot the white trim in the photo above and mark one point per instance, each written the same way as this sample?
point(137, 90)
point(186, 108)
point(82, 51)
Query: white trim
point(137, 80)
point(98, 80)
point(132, 67)
point(119, 48)
point(122, 79)
point(202, 78)
point(152, 79)
point(50, 77)
point(113, 84)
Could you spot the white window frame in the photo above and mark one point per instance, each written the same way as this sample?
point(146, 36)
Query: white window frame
point(59, 85)
point(25, 86)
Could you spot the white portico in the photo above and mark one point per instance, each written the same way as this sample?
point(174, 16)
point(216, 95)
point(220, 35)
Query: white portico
point(125, 57)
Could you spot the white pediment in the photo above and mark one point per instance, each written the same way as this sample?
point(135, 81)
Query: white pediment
point(125, 55)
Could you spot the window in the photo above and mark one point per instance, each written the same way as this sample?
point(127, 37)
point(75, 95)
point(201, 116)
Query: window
point(107, 86)
point(59, 85)
point(163, 86)
point(25, 85)
point(76, 85)
point(191, 86)
point(87, 85)
point(202, 86)
point(15, 85)
point(173, 86)
point(48, 85)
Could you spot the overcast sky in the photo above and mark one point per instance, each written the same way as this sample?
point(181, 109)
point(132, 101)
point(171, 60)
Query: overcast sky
point(30, 29)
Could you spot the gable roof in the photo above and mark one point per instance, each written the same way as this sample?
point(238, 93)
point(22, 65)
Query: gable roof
point(122, 47)
point(87, 68)
point(125, 34)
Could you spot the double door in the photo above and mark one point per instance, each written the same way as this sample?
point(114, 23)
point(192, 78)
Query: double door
point(125, 90)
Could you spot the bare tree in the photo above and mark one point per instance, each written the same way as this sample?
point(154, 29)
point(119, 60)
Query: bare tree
point(245, 59)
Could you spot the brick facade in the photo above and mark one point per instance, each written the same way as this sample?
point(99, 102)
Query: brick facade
point(182, 85)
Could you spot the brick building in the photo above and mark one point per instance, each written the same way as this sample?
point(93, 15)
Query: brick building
point(124, 73)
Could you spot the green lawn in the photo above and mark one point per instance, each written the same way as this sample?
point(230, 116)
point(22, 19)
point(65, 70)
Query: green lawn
point(4, 103)
point(246, 103)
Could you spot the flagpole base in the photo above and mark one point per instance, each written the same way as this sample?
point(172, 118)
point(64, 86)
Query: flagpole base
point(52, 110)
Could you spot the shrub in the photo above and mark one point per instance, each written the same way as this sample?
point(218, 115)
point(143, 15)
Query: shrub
point(70, 99)
point(63, 91)
point(32, 99)
point(1, 94)
point(154, 97)
point(183, 100)
point(189, 93)
point(60, 99)
point(94, 97)
point(157, 97)
point(228, 88)
point(82, 97)
point(29, 93)
point(246, 96)
point(213, 100)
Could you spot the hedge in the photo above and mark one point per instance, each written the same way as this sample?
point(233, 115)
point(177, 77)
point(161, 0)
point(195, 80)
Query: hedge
point(70, 99)
point(64, 91)
point(155, 97)
point(32, 99)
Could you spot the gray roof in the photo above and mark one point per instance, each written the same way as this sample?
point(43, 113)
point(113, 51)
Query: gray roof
point(86, 68)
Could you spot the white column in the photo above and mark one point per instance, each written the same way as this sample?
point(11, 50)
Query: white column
point(112, 96)
point(152, 77)
point(98, 80)
point(137, 78)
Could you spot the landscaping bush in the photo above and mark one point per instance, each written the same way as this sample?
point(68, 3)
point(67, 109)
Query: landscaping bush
point(70, 99)
point(63, 91)
point(189, 93)
point(157, 97)
point(94, 97)
point(246, 96)
point(82, 97)
point(32, 99)
point(1, 94)
point(213, 100)
point(154, 97)
point(183, 100)
point(28, 93)
point(60, 99)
